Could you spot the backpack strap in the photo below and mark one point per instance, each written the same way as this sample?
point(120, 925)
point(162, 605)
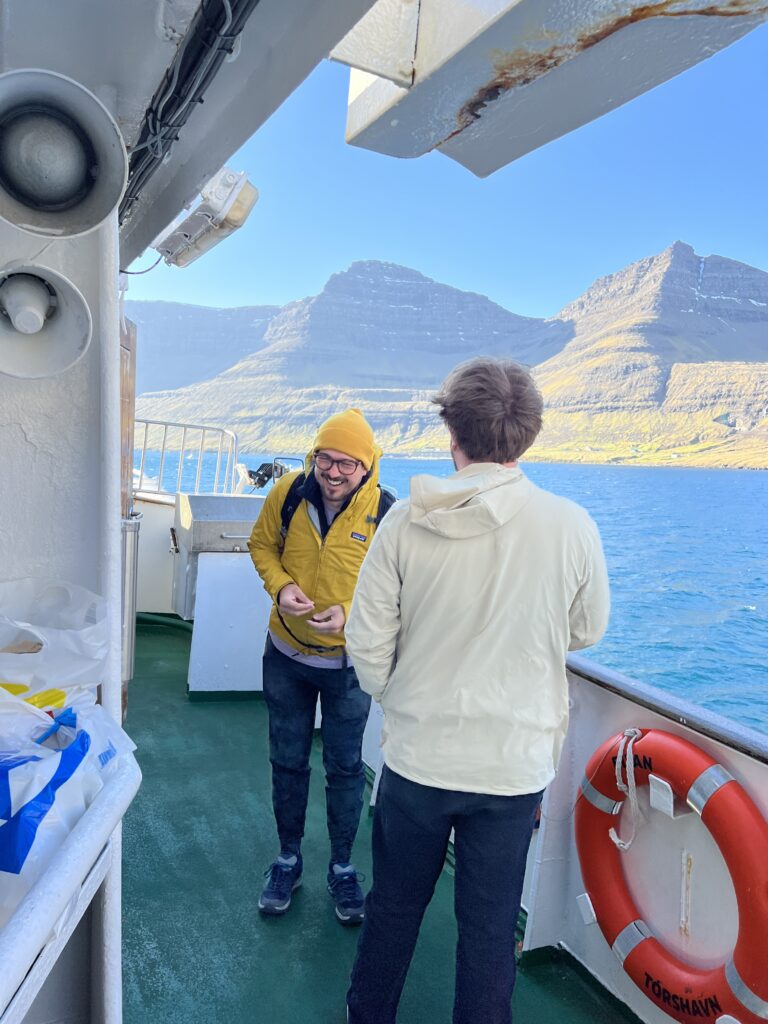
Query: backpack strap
point(293, 499)
point(291, 502)
point(386, 501)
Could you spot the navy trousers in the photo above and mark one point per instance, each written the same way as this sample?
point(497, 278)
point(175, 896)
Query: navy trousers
point(412, 825)
point(291, 691)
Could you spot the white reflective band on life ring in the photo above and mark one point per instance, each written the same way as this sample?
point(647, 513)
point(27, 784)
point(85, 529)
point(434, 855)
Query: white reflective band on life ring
point(630, 937)
point(598, 800)
point(706, 785)
point(744, 994)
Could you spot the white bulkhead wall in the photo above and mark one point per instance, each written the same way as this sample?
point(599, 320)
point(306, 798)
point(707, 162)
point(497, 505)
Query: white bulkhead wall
point(60, 507)
point(59, 435)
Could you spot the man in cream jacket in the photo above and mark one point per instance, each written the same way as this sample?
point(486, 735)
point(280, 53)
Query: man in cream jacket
point(469, 598)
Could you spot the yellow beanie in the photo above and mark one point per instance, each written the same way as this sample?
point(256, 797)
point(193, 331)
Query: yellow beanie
point(348, 432)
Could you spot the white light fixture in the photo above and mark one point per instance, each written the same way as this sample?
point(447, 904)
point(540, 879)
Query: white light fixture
point(224, 205)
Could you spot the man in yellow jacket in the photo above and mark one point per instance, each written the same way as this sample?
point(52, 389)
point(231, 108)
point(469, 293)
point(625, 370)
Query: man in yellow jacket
point(309, 569)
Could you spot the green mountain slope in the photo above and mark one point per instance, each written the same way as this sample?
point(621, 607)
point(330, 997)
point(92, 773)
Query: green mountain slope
point(664, 362)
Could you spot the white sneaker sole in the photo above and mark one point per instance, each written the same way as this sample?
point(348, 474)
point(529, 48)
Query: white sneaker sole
point(349, 918)
point(281, 909)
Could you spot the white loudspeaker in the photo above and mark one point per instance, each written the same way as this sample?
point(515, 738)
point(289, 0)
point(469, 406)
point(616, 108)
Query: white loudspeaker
point(45, 323)
point(63, 165)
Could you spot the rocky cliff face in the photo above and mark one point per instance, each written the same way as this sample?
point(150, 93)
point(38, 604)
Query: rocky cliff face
point(666, 359)
point(667, 355)
point(677, 284)
point(379, 325)
point(629, 329)
point(181, 344)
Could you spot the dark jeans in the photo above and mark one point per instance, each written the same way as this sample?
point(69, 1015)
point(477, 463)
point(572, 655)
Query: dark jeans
point(411, 828)
point(291, 692)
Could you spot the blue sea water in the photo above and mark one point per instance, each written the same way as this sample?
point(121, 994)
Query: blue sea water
point(687, 554)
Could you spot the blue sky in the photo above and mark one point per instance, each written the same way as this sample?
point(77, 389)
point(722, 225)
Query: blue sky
point(689, 161)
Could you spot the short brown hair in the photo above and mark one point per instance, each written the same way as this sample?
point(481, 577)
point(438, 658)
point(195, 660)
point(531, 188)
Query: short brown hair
point(492, 407)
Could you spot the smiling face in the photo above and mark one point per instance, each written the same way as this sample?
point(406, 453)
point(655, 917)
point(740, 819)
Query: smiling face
point(336, 486)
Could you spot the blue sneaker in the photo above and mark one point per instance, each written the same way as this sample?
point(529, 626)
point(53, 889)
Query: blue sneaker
point(344, 887)
point(284, 875)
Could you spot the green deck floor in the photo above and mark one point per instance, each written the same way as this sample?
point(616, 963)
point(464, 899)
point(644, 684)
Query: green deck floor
point(197, 839)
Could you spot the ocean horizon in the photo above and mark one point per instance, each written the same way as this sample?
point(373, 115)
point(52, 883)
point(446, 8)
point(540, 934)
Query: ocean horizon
point(688, 564)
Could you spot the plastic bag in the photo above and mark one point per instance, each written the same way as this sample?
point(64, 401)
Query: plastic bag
point(52, 698)
point(42, 796)
point(25, 728)
point(55, 635)
point(51, 768)
point(108, 739)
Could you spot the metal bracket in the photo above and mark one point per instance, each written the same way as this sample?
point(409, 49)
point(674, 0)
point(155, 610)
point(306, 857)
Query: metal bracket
point(587, 911)
point(663, 798)
point(383, 42)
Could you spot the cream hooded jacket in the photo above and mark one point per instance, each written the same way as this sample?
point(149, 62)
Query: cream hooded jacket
point(469, 598)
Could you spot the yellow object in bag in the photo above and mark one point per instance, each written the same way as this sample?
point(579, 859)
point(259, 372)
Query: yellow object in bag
point(15, 688)
point(43, 699)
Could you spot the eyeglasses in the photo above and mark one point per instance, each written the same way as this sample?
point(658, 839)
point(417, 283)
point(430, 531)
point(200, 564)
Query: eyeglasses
point(346, 466)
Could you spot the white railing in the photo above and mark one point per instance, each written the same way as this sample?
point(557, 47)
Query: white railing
point(212, 450)
point(38, 930)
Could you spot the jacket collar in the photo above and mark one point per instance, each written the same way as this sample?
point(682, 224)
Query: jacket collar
point(310, 491)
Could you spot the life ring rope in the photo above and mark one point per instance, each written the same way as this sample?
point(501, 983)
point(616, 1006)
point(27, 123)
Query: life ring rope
point(625, 760)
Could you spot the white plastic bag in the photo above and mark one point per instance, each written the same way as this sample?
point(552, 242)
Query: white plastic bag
point(25, 728)
point(51, 768)
point(42, 796)
point(108, 740)
point(57, 634)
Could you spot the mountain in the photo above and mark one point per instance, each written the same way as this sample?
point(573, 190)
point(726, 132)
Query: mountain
point(629, 329)
point(182, 344)
point(379, 336)
point(665, 360)
point(378, 324)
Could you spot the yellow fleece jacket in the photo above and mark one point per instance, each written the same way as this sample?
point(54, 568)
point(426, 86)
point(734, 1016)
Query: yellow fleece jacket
point(326, 570)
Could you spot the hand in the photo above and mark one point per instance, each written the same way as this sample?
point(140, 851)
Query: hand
point(23, 647)
point(330, 621)
point(293, 601)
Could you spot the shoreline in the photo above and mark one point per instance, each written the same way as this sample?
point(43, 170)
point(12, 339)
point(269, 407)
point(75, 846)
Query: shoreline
point(533, 458)
point(613, 463)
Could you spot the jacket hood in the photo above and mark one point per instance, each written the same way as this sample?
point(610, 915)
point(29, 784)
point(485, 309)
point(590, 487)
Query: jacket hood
point(477, 499)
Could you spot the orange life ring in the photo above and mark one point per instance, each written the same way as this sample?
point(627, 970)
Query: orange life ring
point(738, 988)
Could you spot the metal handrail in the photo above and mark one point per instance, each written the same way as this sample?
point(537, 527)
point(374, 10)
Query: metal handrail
point(708, 723)
point(218, 440)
